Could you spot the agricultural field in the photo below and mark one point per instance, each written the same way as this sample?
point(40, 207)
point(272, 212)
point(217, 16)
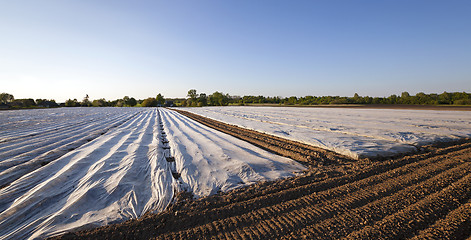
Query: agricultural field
point(423, 195)
point(74, 168)
point(358, 133)
point(358, 173)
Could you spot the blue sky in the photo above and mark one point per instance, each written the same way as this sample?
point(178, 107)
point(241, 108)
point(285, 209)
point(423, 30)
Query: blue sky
point(109, 49)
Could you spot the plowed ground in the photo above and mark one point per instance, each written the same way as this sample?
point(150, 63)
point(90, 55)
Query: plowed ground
point(425, 195)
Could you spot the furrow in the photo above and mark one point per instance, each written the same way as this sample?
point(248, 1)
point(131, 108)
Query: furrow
point(329, 209)
point(364, 189)
point(335, 222)
point(420, 215)
point(456, 225)
point(355, 219)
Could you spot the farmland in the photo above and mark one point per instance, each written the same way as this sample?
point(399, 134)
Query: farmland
point(66, 169)
point(142, 160)
point(415, 197)
point(354, 132)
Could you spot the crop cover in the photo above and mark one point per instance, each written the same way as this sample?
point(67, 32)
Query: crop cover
point(353, 132)
point(74, 168)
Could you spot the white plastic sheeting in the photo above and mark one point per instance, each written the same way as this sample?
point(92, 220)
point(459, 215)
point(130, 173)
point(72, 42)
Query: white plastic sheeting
point(120, 171)
point(353, 132)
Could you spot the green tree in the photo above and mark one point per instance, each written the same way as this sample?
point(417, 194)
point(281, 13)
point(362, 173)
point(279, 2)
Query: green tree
point(40, 102)
point(72, 103)
point(125, 100)
point(100, 103)
point(46, 103)
point(118, 103)
point(149, 102)
point(6, 98)
point(192, 95)
point(357, 99)
point(461, 98)
point(132, 102)
point(445, 98)
point(86, 102)
point(218, 99)
point(292, 100)
point(422, 98)
point(23, 103)
point(202, 100)
point(392, 99)
point(405, 98)
point(160, 99)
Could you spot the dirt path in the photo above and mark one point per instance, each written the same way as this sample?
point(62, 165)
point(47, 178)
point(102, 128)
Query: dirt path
point(426, 195)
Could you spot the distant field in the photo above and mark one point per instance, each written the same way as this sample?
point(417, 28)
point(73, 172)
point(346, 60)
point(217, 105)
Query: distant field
point(355, 132)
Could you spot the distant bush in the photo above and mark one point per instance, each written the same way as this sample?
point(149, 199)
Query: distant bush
point(6, 98)
point(462, 102)
point(72, 103)
point(23, 103)
point(160, 100)
point(100, 103)
point(45, 103)
point(149, 102)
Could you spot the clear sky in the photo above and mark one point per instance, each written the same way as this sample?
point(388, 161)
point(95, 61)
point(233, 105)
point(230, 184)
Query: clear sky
point(64, 49)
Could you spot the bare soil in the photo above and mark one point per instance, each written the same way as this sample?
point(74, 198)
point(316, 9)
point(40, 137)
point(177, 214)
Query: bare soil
point(425, 195)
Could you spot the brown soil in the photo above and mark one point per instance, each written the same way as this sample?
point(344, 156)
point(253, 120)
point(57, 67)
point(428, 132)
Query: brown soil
point(425, 195)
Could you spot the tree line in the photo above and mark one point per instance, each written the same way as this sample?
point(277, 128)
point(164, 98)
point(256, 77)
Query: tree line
point(195, 99)
point(8, 101)
point(220, 99)
point(199, 100)
point(126, 101)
